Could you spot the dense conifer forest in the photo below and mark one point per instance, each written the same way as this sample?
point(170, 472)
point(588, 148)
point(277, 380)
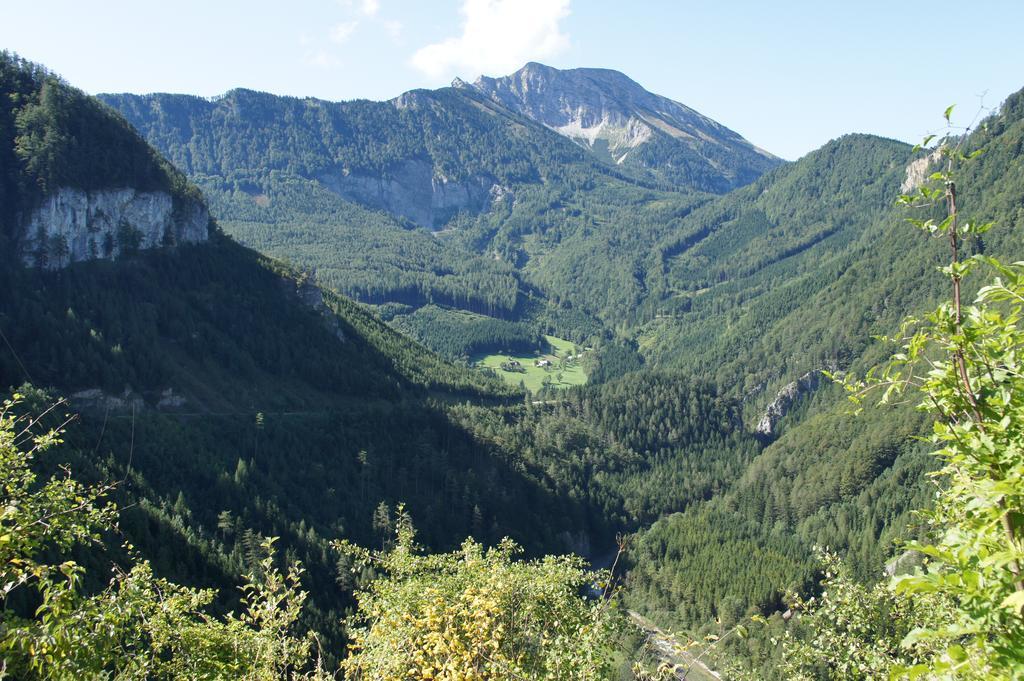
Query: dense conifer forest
point(298, 390)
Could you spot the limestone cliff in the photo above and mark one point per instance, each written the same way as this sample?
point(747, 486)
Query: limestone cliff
point(73, 225)
point(411, 189)
point(917, 171)
point(784, 401)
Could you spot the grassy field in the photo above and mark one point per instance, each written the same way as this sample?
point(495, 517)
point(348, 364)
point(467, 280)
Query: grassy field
point(560, 375)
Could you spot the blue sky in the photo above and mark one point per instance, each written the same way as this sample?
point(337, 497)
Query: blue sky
point(789, 76)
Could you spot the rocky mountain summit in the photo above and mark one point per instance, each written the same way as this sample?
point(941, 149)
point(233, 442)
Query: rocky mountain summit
point(616, 118)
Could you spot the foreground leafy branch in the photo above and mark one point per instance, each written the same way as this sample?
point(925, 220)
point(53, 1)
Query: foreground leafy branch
point(966, 365)
point(477, 613)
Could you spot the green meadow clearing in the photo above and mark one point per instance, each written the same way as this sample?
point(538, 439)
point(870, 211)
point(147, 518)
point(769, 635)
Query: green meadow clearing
point(560, 374)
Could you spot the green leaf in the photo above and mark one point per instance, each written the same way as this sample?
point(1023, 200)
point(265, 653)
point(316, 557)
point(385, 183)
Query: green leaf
point(948, 112)
point(1014, 601)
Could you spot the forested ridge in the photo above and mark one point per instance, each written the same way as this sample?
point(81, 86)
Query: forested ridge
point(830, 479)
point(57, 136)
point(538, 236)
point(237, 394)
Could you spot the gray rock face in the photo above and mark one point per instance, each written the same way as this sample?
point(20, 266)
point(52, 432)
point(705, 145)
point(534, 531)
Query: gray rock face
point(612, 115)
point(94, 399)
point(312, 296)
point(170, 400)
point(576, 542)
point(903, 564)
point(412, 190)
point(785, 399)
point(917, 171)
point(73, 225)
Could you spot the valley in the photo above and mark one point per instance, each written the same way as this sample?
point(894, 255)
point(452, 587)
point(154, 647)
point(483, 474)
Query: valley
point(542, 311)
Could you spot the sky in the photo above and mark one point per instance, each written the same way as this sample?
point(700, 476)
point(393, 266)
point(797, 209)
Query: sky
point(787, 75)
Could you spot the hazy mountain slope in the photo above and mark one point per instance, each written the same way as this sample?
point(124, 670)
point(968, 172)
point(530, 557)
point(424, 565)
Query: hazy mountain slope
point(335, 185)
point(547, 217)
point(340, 186)
point(619, 121)
point(425, 155)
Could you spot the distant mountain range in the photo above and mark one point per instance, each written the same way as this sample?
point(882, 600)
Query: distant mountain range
point(532, 186)
point(622, 123)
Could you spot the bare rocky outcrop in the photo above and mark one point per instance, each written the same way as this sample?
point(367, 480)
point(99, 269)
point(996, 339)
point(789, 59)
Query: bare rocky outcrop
point(312, 296)
point(903, 564)
point(72, 225)
point(576, 542)
point(411, 189)
point(784, 401)
point(170, 400)
point(95, 399)
point(917, 171)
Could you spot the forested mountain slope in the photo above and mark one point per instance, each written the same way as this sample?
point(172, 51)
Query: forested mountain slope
point(236, 399)
point(798, 271)
point(830, 479)
point(525, 223)
point(751, 291)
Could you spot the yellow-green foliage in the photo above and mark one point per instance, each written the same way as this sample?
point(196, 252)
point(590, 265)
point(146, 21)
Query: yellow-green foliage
point(853, 631)
point(139, 626)
point(477, 614)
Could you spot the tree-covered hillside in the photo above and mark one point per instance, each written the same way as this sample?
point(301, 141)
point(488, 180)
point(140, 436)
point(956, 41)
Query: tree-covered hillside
point(526, 225)
point(235, 399)
point(53, 135)
point(829, 479)
point(762, 259)
point(798, 271)
point(751, 290)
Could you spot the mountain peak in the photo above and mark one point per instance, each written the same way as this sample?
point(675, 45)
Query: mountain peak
point(609, 113)
point(539, 74)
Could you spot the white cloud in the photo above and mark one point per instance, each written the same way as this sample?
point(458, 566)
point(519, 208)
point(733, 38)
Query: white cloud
point(394, 29)
point(322, 59)
point(370, 7)
point(498, 36)
point(340, 33)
